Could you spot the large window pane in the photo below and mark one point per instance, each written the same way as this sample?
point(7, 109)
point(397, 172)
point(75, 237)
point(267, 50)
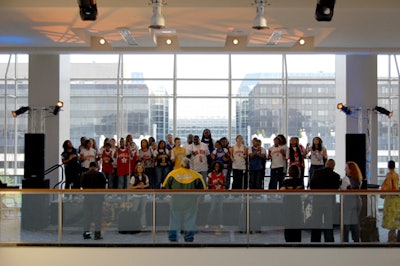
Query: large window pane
point(202, 66)
point(148, 66)
point(208, 88)
point(194, 115)
point(388, 98)
point(306, 64)
point(94, 66)
point(248, 66)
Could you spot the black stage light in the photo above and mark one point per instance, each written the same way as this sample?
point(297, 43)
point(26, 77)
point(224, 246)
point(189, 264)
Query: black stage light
point(57, 108)
point(20, 111)
point(344, 109)
point(383, 111)
point(324, 10)
point(88, 9)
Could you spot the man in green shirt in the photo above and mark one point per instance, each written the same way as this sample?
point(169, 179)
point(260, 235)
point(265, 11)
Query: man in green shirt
point(183, 208)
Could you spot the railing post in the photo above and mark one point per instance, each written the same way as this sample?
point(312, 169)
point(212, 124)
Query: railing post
point(60, 216)
point(247, 218)
point(341, 218)
point(154, 218)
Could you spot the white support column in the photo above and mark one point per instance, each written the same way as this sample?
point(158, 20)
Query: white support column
point(49, 81)
point(356, 86)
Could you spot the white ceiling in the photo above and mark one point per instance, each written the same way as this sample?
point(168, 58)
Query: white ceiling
point(200, 25)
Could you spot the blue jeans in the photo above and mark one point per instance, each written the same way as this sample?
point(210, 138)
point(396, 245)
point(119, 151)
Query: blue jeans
point(110, 180)
point(122, 181)
point(161, 173)
point(182, 220)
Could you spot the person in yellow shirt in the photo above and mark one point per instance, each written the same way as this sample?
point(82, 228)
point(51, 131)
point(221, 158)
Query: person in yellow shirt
point(391, 207)
point(177, 154)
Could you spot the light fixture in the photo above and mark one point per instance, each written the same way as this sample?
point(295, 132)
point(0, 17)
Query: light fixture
point(168, 41)
point(302, 41)
point(20, 111)
point(102, 41)
point(157, 20)
point(383, 111)
point(260, 21)
point(344, 109)
point(58, 107)
point(235, 41)
point(324, 10)
point(126, 34)
point(87, 9)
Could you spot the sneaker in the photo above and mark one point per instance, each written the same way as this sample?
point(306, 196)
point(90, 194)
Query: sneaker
point(86, 235)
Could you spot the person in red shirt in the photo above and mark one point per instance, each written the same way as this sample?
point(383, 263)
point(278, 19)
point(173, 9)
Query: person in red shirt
point(107, 167)
point(123, 156)
point(216, 181)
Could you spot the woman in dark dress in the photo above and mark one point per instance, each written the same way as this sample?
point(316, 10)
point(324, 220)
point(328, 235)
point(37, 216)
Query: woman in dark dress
point(69, 158)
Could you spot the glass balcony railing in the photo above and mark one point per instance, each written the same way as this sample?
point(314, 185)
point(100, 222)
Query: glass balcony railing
point(160, 218)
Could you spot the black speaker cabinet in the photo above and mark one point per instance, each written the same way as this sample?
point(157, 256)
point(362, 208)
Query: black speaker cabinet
point(356, 152)
point(34, 156)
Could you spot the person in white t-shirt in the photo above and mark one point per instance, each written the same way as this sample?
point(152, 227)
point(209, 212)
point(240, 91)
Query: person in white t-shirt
point(277, 155)
point(197, 153)
point(239, 156)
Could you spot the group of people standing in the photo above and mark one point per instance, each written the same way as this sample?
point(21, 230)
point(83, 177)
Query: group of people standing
point(245, 164)
point(150, 166)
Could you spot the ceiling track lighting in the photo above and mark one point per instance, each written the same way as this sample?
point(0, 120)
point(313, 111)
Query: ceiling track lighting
point(344, 109)
point(383, 111)
point(87, 9)
point(324, 10)
point(157, 20)
point(20, 111)
point(260, 21)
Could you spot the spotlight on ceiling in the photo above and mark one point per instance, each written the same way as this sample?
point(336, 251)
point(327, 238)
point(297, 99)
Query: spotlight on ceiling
point(383, 111)
point(58, 107)
point(168, 41)
point(324, 10)
point(88, 9)
point(260, 21)
point(344, 109)
point(302, 41)
point(20, 111)
point(157, 20)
